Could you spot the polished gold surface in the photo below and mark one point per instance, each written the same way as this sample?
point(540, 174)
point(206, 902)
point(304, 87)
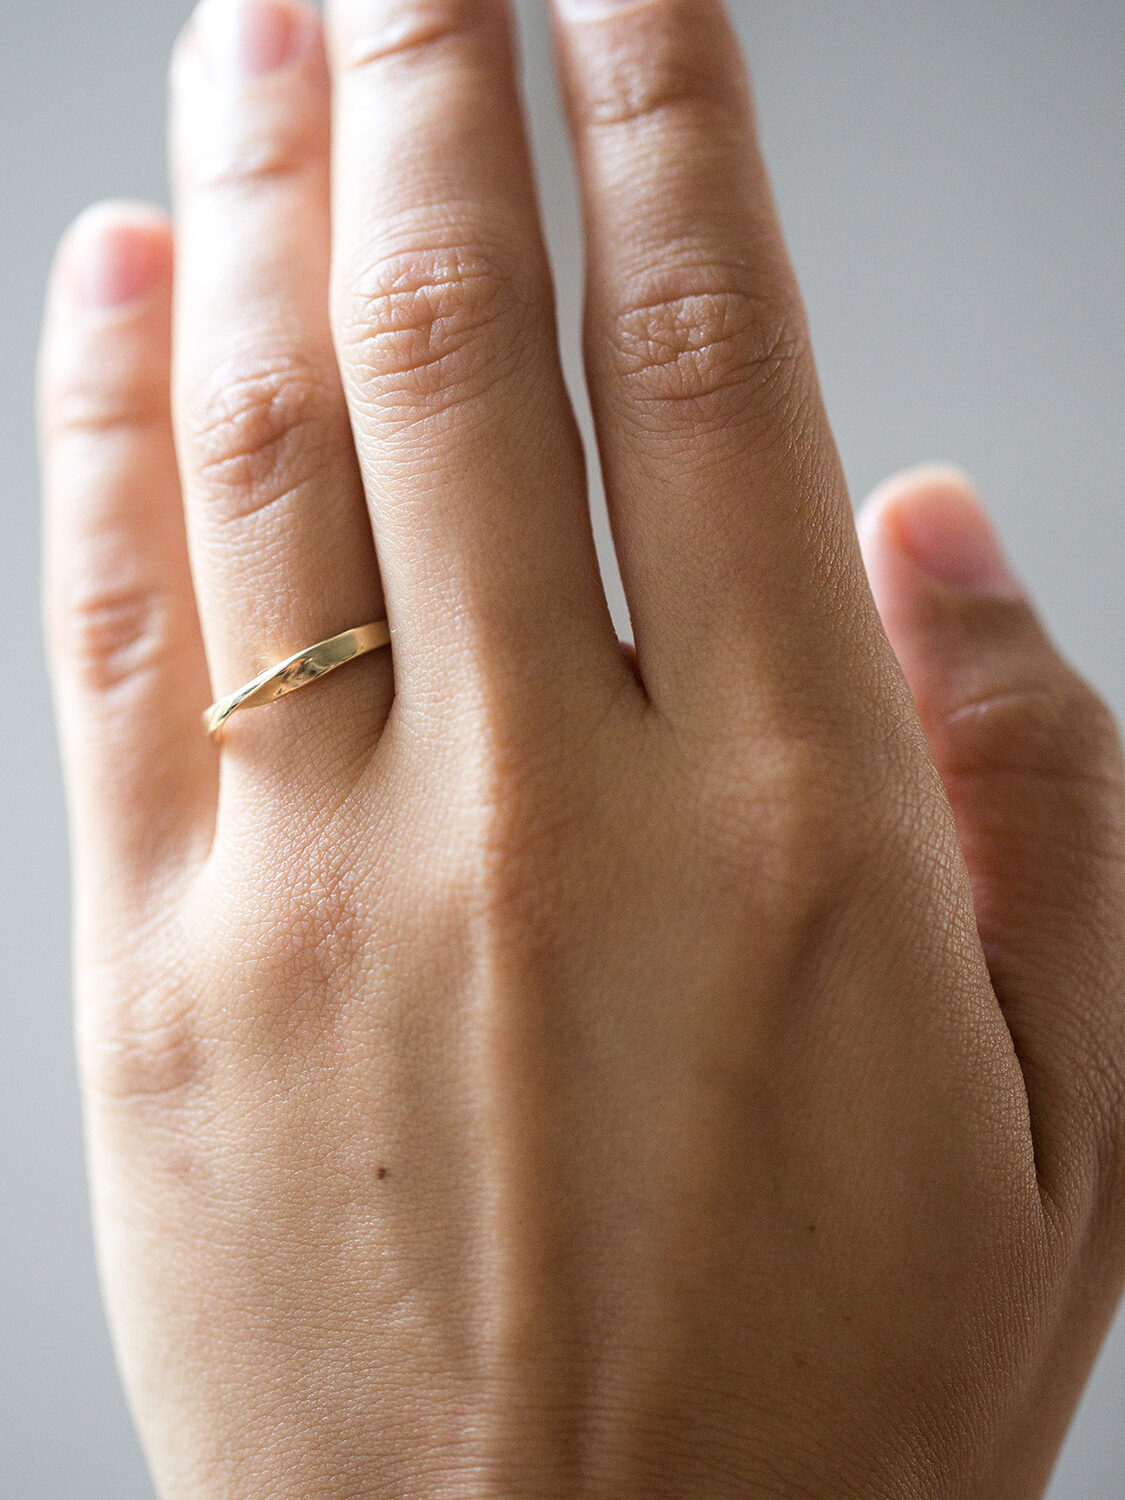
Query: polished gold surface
point(297, 671)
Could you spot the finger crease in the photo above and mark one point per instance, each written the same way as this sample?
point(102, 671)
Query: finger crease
point(403, 39)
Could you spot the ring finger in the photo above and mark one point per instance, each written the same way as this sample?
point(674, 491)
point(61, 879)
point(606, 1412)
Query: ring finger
point(281, 545)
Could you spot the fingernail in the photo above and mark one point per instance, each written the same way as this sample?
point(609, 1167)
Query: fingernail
point(944, 529)
point(590, 10)
point(250, 38)
point(116, 263)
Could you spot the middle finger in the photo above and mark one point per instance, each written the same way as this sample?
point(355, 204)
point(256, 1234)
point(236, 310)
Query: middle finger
point(446, 336)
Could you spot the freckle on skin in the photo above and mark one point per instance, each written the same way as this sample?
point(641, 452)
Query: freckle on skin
point(384, 1172)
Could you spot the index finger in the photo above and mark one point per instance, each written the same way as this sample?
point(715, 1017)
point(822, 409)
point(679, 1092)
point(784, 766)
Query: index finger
point(730, 511)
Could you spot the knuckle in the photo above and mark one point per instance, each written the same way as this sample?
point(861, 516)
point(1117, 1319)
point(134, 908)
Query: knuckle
point(103, 401)
point(1058, 731)
point(659, 68)
point(619, 98)
point(810, 808)
point(254, 439)
point(111, 636)
point(802, 813)
point(259, 158)
point(426, 331)
point(412, 32)
point(710, 350)
point(138, 1063)
point(263, 136)
point(510, 797)
point(142, 1045)
point(269, 143)
point(811, 815)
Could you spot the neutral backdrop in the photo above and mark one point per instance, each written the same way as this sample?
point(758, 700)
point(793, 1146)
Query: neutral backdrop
point(952, 174)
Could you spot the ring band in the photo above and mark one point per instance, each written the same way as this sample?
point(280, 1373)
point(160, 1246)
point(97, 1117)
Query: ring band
point(298, 671)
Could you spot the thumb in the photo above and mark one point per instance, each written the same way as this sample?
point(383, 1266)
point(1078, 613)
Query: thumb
point(1031, 761)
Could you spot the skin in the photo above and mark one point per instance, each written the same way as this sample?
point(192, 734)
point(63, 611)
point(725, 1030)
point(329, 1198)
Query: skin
point(510, 1069)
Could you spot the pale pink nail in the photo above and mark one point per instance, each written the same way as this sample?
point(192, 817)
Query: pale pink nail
point(943, 528)
point(250, 38)
point(117, 262)
point(590, 10)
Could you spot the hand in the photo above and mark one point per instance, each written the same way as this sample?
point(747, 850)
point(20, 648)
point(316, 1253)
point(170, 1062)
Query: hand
point(509, 1073)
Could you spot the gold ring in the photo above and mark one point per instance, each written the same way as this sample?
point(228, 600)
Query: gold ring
point(298, 671)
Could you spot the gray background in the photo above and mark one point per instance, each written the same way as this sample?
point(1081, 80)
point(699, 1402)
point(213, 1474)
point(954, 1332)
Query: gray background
point(951, 173)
